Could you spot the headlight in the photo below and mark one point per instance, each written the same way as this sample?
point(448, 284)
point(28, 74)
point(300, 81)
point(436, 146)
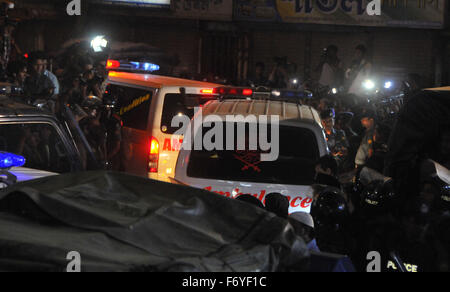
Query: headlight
point(334, 91)
point(369, 84)
point(388, 84)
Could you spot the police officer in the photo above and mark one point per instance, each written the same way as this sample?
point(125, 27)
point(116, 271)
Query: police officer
point(336, 139)
point(365, 149)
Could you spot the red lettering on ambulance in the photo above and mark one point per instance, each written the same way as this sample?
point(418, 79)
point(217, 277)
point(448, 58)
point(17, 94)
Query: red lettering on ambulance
point(176, 144)
point(306, 202)
point(293, 205)
point(261, 195)
point(167, 145)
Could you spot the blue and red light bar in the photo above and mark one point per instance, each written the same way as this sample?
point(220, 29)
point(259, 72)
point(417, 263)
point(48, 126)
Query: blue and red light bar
point(132, 66)
point(235, 91)
point(8, 160)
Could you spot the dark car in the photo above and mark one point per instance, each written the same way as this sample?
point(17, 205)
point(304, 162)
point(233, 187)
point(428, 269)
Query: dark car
point(103, 221)
point(47, 144)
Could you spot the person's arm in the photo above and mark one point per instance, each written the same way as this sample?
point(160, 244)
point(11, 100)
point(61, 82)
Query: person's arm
point(272, 74)
point(362, 154)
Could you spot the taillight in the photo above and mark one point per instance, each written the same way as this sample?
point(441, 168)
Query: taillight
point(112, 64)
point(153, 156)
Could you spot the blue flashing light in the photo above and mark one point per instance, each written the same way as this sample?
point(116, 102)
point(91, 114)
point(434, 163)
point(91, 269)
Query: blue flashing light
point(8, 160)
point(144, 66)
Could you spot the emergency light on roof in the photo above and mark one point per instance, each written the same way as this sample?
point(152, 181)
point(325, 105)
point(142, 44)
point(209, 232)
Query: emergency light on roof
point(132, 66)
point(8, 160)
point(207, 91)
point(234, 91)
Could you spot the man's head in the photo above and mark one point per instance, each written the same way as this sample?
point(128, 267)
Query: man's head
point(368, 119)
point(259, 68)
point(323, 104)
point(278, 204)
point(343, 120)
point(332, 51)
point(360, 52)
point(328, 119)
point(38, 62)
point(19, 70)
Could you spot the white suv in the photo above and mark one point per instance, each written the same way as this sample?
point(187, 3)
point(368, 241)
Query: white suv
point(232, 173)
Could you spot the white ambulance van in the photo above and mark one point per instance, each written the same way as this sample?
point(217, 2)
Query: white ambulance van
point(232, 173)
point(147, 104)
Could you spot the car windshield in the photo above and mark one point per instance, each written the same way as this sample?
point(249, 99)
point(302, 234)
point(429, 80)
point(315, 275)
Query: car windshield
point(294, 166)
point(40, 144)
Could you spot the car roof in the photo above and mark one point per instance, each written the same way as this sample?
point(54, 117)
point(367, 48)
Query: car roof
point(285, 110)
point(10, 107)
point(155, 81)
point(446, 88)
point(25, 174)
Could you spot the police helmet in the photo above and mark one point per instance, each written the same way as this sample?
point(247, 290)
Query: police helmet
point(92, 102)
point(109, 100)
point(377, 197)
point(329, 209)
point(331, 217)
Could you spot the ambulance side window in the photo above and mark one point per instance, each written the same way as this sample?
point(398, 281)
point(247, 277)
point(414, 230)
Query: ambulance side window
point(133, 105)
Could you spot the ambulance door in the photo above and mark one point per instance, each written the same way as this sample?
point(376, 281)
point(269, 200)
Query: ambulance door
point(134, 108)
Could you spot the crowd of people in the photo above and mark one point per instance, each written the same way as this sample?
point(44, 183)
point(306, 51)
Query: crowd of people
point(384, 187)
point(359, 177)
point(75, 79)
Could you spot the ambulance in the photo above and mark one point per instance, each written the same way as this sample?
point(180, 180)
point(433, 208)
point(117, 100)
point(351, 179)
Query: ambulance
point(147, 103)
point(231, 173)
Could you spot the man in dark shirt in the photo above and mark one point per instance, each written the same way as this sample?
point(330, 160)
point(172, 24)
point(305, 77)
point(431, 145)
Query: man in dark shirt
point(259, 78)
point(37, 85)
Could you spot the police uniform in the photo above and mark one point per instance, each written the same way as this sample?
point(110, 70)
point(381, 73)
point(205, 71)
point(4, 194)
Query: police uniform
point(336, 141)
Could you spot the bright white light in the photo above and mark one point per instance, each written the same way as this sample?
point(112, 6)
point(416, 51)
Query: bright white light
point(276, 93)
point(334, 91)
point(369, 84)
point(99, 43)
point(295, 81)
point(388, 84)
